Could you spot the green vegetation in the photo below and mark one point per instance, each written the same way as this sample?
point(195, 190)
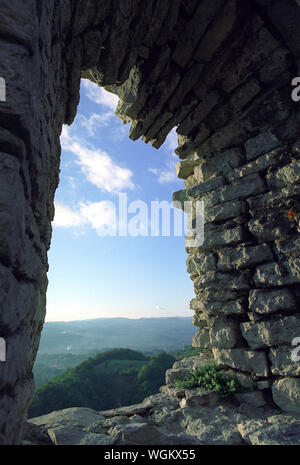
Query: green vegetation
point(210, 378)
point(108, 380)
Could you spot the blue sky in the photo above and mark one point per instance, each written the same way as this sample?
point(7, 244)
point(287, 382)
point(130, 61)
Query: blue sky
point(94, 274)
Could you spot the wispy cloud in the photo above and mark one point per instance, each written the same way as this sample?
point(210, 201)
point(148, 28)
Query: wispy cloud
point(97, 166)
point(95, 121)
point(159, 308)
point(99, 95)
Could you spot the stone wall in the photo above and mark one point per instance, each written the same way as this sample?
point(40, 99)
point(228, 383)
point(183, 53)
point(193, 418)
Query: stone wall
point(221, 72)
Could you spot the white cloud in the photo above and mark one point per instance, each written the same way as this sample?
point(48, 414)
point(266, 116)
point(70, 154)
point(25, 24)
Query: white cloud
point(164, 175)
point(159, 307)
point(100, 95)
point(101, 216)
point(97, 166)
point(95, 121)
point(66, 217)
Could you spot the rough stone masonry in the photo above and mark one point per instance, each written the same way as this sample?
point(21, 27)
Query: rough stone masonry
point(221, 72)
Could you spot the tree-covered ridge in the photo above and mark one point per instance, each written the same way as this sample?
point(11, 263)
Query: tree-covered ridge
point(108, 380)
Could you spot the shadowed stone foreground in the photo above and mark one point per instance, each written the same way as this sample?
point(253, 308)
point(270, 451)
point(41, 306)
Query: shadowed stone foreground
point(171, 417)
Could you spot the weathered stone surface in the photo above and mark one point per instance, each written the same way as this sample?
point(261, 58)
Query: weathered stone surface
point(267, 228)
point(233, 307)
point(75, 416)
point(276, 274)
point(255, 398)
point(222, 238)
point(201, 339)
point(261, 144)
point(240, 189)
point(243, 257)
point(220, 74)
point(282, 361)
point(276, 430)
point(136, 433)
point(259, 164)
point(201, 263)
point(225, 211)
point(207, 186)
point(271, 333)
point(286, 394)
point(242, 359)
point(224, 334)
point(174, 374)
point(184, 169)
point(223, 164)
point(289, 174)
point(269, 301)
point(197, 398)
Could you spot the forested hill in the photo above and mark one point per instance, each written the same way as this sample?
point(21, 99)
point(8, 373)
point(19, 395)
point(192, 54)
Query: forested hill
point(108, 380)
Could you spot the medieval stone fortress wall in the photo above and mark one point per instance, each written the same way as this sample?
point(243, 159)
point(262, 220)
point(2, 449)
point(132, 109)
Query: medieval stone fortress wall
point(222, 73)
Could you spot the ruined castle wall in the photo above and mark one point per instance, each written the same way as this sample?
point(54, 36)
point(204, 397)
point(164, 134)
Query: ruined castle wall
point(30, 124)
point(221, 73)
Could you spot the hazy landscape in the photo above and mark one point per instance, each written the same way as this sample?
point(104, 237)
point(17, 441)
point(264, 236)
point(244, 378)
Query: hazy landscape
point(95, 335)
point(106, 363)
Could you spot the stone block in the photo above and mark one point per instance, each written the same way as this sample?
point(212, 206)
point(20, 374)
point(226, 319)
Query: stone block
point(261, 144)
point(174, 374)
point(204, 187)
point(224, 334)
point(221, 164)
point(238, 190)
point(225, 211)
point(269, 301)
point(242, 359)
point(276, 274)
point(273, 332)
point(201, 339)
point(236, 258)
point(289, 174)
point(184, 169)
point(282, 362)
point(259, 164)
point(286, 394)
point(270, 225)
point(255, 398)
point(221, 238)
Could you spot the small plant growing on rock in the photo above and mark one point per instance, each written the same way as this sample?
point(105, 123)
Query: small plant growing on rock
point(210, 378)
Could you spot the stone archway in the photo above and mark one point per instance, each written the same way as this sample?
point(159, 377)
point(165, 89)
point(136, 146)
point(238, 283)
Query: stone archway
point(221, 71)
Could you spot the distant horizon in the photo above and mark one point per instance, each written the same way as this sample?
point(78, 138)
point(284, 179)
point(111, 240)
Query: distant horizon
point(119, 318)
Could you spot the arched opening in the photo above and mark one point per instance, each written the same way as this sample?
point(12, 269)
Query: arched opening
point(115, 278)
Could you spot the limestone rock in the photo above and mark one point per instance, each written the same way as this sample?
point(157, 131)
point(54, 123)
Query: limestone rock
point(265, 302)
point(224, 334)
point(282, 361)
point(285, 431)
point(255, 398)
point(286, 394)
point(261, 144)
point(174, 374)
point(271, 333)
point(242, 359)
point(184, 169)
point(201, 339)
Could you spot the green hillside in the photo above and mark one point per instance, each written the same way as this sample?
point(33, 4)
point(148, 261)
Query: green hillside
point(108, 380)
